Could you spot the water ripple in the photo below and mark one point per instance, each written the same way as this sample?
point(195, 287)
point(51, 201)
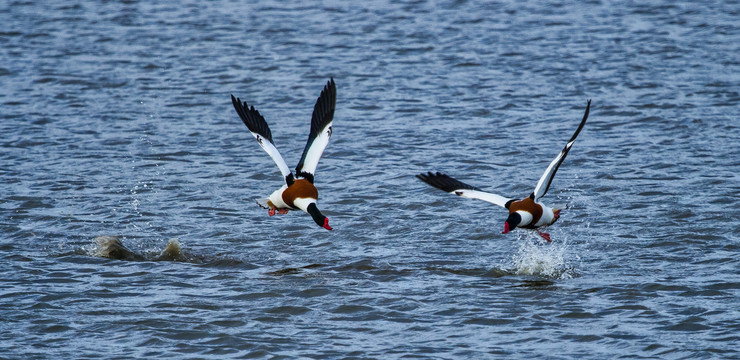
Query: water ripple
point(117, 122)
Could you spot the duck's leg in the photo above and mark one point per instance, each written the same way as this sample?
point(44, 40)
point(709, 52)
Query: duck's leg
point(544, 235)
point(282, 211)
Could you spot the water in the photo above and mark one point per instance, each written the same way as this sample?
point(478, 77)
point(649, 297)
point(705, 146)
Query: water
point(116, 121)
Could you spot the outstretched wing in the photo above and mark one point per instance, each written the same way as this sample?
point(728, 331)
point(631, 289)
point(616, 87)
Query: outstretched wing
point(459, 188)
point(544, 184)
point(318, 138)
point(258, 127)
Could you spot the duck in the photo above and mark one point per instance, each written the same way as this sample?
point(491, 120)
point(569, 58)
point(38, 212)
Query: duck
point(527, 213)
point(298, 192)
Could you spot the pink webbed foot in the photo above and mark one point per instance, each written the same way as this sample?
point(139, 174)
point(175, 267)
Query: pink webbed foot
point(282, 211)
point(544, 235)
point(271, 212)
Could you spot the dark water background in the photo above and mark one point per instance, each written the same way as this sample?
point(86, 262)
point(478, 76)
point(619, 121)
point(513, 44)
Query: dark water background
point(115, 119)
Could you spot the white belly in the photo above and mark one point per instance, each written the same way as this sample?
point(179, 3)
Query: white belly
point(547, 217)
point(276, 198)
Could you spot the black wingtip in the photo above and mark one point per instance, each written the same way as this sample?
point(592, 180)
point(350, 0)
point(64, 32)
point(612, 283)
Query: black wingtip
point(444, 182)
point(583, 121)
point(566, 149)
point(251, 118)
point(322, 116)
point(237, 104)
point(330, 91)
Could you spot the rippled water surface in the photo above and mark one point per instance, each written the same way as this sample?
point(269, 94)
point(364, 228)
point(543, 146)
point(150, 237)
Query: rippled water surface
point(116, 121)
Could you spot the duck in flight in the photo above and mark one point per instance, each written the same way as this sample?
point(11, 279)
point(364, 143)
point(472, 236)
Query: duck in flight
point(298, 192)
point(527, 213)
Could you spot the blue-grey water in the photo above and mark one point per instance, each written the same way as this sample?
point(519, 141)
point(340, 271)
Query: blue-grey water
point(115, 120)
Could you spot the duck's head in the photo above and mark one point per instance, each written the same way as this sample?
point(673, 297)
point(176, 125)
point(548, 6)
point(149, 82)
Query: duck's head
point(318, 217)
point(512, 221)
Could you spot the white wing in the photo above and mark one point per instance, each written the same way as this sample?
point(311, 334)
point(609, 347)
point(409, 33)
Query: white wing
point(271, 150)
point(544, 183)
point(258, 127)
point(482, 195)
point(318, 138)
point(459, 188)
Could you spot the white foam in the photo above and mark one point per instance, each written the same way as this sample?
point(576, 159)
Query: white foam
point(536, 257)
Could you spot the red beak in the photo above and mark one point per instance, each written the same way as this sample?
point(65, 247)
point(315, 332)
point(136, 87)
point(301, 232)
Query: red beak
point(326, 224)
point(506, 228)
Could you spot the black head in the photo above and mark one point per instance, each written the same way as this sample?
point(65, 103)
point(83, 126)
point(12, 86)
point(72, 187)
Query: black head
point(318, 217)
point(512, 221)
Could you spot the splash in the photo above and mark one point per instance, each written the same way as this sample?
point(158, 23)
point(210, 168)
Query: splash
point(536, 258)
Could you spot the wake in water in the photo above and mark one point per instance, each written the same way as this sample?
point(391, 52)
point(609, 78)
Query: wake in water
point(537, 258)
point(111, 247)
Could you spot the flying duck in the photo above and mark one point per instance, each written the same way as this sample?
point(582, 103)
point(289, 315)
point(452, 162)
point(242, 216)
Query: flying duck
point(298, 192)
point(527, 213)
